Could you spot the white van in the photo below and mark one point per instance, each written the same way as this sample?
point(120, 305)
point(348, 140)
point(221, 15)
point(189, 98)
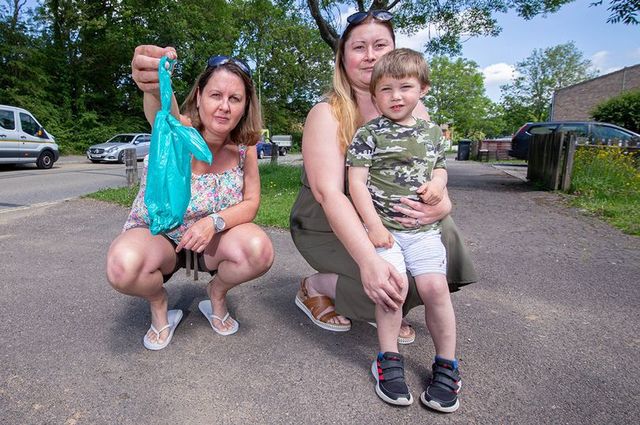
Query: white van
point(23, 140)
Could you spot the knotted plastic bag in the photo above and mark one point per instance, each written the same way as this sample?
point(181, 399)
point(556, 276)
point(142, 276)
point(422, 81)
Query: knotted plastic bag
point(169, 169)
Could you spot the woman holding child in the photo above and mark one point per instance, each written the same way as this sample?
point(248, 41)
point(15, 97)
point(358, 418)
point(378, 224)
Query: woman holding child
point(329, 233)
point(225, 196)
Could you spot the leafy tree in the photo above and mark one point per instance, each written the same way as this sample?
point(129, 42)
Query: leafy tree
point(457, 95)
point(623, 110)
point(292, 64)
point(544, 71)
point(624, 11)
point(449, 20)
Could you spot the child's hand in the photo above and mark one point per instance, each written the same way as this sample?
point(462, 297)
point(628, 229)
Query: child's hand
point(380, 237)
point(431, 193)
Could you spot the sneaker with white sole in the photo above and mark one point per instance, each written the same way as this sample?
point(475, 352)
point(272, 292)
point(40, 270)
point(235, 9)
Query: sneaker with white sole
point(442, 393)
point(388, 369)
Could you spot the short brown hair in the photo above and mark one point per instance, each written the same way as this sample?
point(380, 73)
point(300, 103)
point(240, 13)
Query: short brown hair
point(249, 128)
point(400, 63)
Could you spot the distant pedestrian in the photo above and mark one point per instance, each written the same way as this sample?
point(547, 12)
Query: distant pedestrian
point(225, 196)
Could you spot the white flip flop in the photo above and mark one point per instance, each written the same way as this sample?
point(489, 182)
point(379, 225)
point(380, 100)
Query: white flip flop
point(205, 308)
point(174, 317)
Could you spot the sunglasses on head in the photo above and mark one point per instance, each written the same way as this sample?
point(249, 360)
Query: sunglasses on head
point(219, 60)
point(380, 15)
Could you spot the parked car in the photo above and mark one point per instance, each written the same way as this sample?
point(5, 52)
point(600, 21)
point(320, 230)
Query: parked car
point(23, 140)
point(587, 132)
point(113, 149)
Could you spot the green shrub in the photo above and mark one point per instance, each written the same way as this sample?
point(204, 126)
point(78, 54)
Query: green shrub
point(607, 183)
point(622, 110)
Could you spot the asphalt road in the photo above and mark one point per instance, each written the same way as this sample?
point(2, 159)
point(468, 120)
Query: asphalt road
point(25, 186)
point(550, 335)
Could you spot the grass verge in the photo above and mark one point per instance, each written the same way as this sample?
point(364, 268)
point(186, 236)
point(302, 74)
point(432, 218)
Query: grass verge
point(279, 187)
point(606, 183)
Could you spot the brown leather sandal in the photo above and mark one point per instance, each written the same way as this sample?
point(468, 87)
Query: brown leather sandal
point(314, 306)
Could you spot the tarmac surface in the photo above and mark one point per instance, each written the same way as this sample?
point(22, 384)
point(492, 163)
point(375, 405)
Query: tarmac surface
point(550, 334)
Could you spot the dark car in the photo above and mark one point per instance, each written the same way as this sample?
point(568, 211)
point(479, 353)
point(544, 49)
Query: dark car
point(587, 132)
point(281, 142)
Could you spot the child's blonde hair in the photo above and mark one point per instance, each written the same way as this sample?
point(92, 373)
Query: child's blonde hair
point(400, 63)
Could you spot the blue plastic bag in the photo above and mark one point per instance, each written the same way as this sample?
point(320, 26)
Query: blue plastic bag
point(169, 169)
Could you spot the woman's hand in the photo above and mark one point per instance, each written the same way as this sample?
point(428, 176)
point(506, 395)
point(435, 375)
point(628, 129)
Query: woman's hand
point(382, 283)
point(418, 214)
point(144, 66)
point(198, 236)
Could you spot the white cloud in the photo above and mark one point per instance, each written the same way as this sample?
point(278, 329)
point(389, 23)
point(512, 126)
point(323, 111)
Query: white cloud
point(599, 61)
point(496, 75)
point(417, 40)
point(499, 73)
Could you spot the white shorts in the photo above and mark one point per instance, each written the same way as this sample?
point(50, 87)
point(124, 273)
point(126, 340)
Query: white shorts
point(420, 253)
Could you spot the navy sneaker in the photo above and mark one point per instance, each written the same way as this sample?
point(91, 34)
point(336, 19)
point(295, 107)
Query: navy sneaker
point(388, 369)
point(442, 393)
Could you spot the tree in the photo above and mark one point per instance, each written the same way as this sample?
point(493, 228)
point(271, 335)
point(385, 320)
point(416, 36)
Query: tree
point(623, 110)
point(457, 95)
point(544, 71)
point(447, 20)
point(624, 11)
point(292, 65)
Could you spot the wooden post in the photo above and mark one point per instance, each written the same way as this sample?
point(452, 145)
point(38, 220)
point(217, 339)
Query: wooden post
point(274, 153)
point(131, 166)
point(569, 153)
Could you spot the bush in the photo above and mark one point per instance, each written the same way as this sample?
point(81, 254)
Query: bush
point(607, 183)
point(622, 110)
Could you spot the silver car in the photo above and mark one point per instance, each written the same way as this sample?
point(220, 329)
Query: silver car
point(113, 149)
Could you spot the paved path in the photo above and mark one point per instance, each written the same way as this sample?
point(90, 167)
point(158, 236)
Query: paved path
point(549, 335)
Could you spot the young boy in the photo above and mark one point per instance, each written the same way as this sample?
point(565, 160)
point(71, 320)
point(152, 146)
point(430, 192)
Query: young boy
point(395, 156)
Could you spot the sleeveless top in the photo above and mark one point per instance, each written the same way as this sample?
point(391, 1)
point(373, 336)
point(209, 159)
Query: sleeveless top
point(210, 193)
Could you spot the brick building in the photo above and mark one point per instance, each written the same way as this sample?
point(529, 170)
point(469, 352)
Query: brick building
point(576, 102)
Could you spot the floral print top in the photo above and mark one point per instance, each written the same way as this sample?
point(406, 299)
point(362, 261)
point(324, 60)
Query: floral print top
point(210, 193)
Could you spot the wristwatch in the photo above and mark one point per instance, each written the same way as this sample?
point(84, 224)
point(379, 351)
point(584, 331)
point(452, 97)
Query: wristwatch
point(218, 222)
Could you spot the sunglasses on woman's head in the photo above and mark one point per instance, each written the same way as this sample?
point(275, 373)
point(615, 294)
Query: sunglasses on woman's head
point(380, 15)
point(219, 60)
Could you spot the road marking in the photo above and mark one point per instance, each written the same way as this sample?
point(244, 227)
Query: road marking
point(38, 205)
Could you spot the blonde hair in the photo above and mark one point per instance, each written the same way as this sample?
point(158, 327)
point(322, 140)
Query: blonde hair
point(342, 98)
point(249, 128)
point(398, 64)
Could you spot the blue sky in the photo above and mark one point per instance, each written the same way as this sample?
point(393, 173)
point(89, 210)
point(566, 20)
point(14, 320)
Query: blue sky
point(608, 46)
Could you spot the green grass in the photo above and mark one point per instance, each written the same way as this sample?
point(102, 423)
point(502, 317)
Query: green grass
point(279, 187)
point(122, 195)
point(606, 183)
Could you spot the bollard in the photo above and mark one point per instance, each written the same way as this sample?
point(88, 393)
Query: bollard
point(274, 153)
point(131, 166)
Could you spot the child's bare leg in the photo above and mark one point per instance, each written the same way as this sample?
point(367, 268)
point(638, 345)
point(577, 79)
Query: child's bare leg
point(389, 323)
point(439, 315)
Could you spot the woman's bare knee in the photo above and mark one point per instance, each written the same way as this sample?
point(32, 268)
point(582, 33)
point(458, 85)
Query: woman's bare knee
point(259, 252)
point(123, 267)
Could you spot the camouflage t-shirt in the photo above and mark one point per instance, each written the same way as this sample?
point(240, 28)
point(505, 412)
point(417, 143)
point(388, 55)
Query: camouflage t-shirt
point(400, 159)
